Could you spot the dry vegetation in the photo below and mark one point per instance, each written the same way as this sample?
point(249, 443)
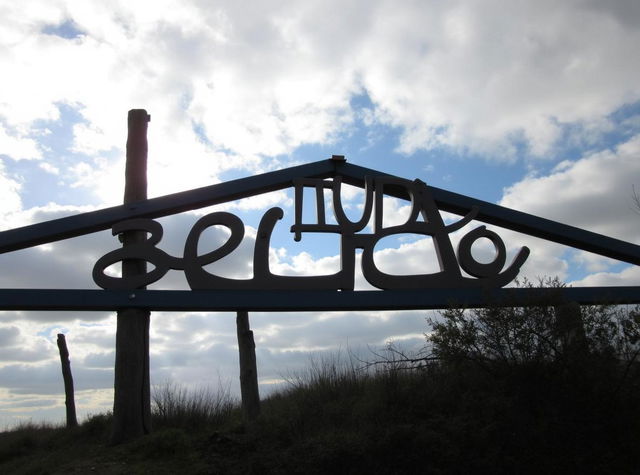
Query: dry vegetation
point(495, 391)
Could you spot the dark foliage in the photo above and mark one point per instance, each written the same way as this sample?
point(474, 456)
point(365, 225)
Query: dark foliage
point(551, 387)
point(547, 388)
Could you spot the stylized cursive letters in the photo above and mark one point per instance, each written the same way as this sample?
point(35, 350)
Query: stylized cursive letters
point(424, 219)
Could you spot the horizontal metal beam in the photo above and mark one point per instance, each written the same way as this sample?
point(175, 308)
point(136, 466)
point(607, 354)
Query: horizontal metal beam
point(85, 223)
point(510, 219)
point(303, 301)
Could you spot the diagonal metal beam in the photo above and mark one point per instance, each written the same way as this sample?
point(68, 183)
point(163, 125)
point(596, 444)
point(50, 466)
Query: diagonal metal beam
point(490, 213)
point(85, 223)
point(509, 219)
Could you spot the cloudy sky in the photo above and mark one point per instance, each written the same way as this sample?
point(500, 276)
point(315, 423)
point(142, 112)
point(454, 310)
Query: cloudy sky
point(532, 105)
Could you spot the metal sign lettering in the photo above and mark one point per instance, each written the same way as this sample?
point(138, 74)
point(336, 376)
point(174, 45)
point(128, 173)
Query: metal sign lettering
point(351, 238)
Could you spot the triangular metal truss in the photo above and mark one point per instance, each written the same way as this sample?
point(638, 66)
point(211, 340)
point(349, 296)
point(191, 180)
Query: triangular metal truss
point(306, 300)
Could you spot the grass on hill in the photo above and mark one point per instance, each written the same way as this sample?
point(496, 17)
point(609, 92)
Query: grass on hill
point(339, 420)
point(480, 407)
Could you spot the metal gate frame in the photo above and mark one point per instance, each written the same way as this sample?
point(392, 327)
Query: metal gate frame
point(306, 300)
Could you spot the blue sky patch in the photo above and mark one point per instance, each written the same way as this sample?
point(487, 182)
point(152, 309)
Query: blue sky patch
point(68, 30)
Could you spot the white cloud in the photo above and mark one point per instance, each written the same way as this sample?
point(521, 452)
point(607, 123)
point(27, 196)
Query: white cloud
point(16, 347)
point(593, 262)
point(10, 199)
point(470, 76)
point(47, 167)
point(594, 192)
point(257, 202)
point(630, 276)
point(17, 146)
point(546, 259)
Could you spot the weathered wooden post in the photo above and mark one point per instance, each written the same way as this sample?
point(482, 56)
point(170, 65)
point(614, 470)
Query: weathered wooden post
point(132, 393)
point(69, 398)
point(570, 330)
point(248, 368)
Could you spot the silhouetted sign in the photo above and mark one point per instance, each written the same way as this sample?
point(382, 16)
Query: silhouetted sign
point(424, 219)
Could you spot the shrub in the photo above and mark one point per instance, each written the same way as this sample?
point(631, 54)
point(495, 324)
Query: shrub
point(97, 425)
point(563, 380)
point(546, 335)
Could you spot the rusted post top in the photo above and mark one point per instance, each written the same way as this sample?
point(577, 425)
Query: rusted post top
point(62, 345)
point(137, 148)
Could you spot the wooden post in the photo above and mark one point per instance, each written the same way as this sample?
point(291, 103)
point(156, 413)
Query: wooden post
point(69, 399)
point(570, 332)
point(132, 394)
point(569, 325)
point(248, 368)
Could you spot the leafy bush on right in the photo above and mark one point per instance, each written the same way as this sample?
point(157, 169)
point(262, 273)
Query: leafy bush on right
point(551, 381)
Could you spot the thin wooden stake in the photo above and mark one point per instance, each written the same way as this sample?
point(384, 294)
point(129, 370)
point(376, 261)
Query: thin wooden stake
point(132, 394)
point(69, 398)
point(248, 368)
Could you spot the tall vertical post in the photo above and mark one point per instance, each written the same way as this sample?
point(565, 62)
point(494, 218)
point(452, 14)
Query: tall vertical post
point(132, 394)
point(69, 397)
point(248, 368)
point(570, 330)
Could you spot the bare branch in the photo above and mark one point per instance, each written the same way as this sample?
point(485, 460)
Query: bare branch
point(636, 199)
